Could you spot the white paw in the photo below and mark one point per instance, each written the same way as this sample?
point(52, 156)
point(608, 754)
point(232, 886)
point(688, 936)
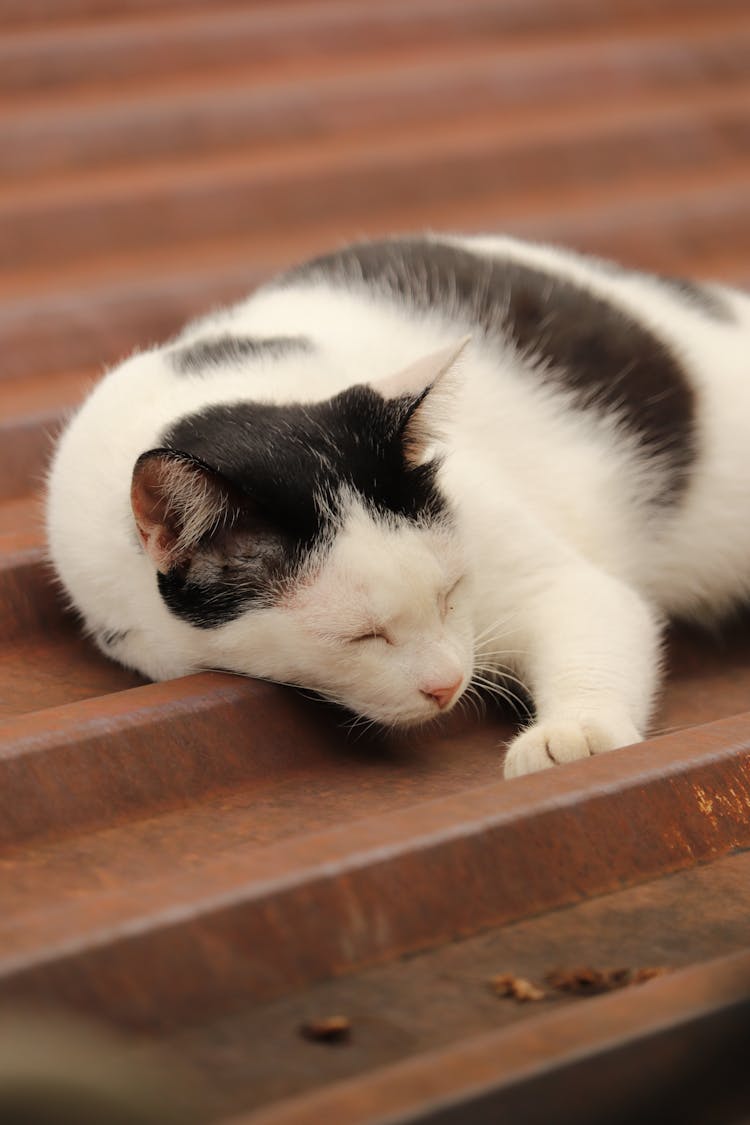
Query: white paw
point(565, 740)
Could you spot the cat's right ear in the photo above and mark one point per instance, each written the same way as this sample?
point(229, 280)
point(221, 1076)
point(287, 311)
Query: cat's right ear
point(420, 377)
point(421, 393)
point(176, 501)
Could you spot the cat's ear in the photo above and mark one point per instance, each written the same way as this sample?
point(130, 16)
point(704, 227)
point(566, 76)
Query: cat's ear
point(421, 392)
point(423, 375)
point(176, 501)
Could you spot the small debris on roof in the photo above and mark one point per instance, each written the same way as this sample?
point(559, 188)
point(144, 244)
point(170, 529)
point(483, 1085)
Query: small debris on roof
point(640, 976)
point(505, 984)
point(582, 981)
point(587, 981)
point(590, 982)
point(330, 1029)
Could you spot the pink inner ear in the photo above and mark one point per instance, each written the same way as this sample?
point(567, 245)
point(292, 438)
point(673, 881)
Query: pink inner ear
point(424, 373)
point(160, 546)
point(149, 500)
point(175, 502)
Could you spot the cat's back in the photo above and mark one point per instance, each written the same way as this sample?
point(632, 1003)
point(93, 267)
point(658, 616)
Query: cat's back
point(616, 402)
point(692, 548)
point(633, 387)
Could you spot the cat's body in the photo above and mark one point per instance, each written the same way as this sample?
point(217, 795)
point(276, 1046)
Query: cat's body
point(534, 500)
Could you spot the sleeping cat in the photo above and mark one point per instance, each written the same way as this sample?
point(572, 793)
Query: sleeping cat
point(418, 466)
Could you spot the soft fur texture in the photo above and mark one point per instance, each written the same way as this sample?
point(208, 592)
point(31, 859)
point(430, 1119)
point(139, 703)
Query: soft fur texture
point(418, 467)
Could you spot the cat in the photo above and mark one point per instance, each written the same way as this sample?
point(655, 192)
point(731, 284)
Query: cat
point(417, 467)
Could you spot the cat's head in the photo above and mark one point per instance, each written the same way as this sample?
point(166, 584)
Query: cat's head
point(310, 543)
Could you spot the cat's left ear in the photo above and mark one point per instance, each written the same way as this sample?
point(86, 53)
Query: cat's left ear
point(176, 501)
point(421, 393)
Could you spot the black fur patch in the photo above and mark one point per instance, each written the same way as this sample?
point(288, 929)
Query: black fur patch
point(575, 339)
point(237, 566)
point(280, 460)
point(228, 350)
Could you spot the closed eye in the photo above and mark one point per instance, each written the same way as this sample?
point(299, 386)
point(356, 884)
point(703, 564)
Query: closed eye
point(373, 635)
point(444, 599)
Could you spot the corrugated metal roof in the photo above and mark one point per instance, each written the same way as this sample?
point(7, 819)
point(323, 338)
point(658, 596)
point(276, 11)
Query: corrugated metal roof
point(211, 859)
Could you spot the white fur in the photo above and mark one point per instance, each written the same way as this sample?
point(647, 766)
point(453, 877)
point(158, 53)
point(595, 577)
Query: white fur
point(566, 573)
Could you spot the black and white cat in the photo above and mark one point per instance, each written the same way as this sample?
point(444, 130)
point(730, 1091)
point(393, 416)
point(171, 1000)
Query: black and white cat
point(417, 465)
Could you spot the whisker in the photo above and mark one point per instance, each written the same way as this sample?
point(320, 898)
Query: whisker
point(497, 623)
point(358, 726)
point(498, 674)
point(471, 699)
point(477, 700)
point(501, 692)
point(503, 673)
point(498, 691)
point(488, 654)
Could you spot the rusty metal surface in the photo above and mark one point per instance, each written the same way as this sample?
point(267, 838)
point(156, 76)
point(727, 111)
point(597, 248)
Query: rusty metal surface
point(631, 1056)
point(267, 915)
point(173, 853)
point(439, 999)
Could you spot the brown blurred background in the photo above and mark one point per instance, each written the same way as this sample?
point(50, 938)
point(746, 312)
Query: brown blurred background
point(157, 158)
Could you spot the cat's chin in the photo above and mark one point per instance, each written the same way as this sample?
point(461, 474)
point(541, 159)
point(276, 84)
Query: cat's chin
point(407, 721)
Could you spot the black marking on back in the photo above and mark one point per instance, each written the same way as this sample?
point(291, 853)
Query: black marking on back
point(281, 460)
point(701, 297)
point(228, 350)
point(575, 339)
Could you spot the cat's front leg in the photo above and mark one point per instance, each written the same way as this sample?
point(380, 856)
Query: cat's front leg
point(592, 663)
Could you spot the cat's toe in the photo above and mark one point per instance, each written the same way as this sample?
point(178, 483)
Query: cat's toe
point(545, 745)
point(555, 742)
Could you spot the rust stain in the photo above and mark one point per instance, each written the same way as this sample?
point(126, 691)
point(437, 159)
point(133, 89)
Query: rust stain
point(727, 808)
point(706, 805)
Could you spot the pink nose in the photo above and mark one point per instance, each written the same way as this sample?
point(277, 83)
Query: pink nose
point(442, 695)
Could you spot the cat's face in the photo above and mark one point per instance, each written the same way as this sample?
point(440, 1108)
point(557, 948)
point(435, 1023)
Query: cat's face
point(311, 544)
point(381, 623)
